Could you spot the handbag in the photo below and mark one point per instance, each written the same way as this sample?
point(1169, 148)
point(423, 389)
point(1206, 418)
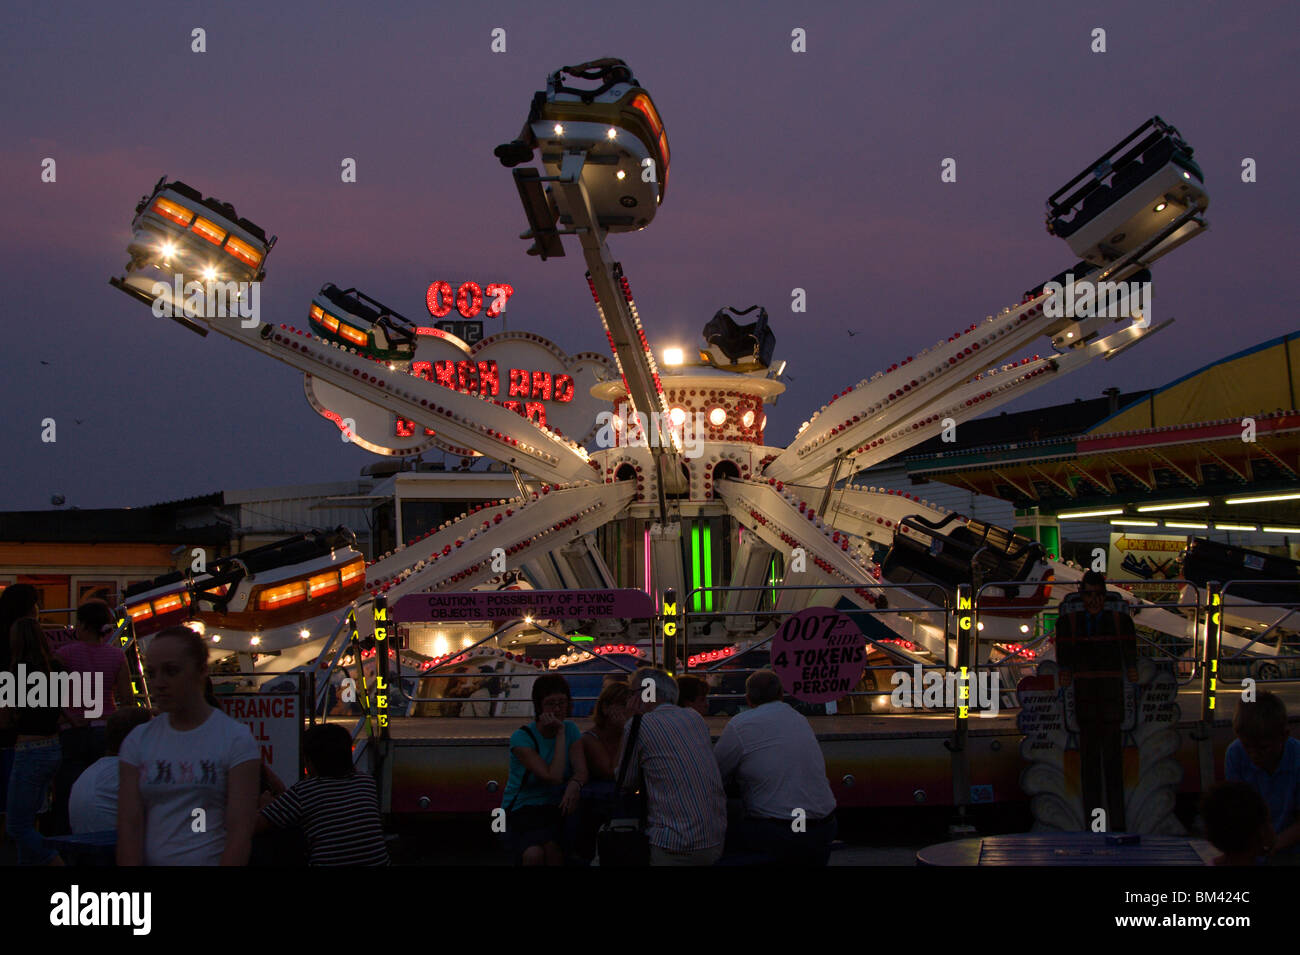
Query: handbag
point(623, 841)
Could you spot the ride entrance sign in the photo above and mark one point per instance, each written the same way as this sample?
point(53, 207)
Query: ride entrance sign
point(819, 655)
point(275, 721)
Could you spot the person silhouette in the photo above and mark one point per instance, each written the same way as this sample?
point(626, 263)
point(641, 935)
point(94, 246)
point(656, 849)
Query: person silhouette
point(1096, 650)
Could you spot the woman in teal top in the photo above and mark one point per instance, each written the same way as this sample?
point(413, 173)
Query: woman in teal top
point(547, 773)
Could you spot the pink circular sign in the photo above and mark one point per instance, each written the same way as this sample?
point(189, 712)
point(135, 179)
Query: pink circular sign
point(819, 654)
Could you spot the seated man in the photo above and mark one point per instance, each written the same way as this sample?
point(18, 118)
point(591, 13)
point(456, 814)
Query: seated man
point(774, 755)
point(92, 803)
point(1097, 650)
point(1267, 757)
point(672, 756)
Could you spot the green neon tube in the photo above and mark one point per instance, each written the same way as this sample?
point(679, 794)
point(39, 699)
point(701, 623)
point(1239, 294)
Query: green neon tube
point(708, 567)
point(695, 560)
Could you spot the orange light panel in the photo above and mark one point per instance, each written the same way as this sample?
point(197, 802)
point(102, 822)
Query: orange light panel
point(356, 336)
point(283, 595)
point(317, 313)
point(170, 603)
point(209, 230)
point(140, 611)
point(173, 211)
point(322, 584)
point(243, 251)
point(354, 571)
point(330, 322)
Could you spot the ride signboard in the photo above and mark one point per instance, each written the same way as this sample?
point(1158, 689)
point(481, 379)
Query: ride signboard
point(275, 720)
point(521, 371)
point(819, 654)
point(626, 604)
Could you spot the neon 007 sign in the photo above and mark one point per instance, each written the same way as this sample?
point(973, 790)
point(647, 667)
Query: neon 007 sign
point(467, 299)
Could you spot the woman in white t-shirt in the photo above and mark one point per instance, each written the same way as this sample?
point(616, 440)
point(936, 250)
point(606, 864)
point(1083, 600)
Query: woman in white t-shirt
point(187, 782)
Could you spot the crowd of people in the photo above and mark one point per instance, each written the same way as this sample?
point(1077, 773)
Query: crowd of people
point(180, 783)
point(651, 748)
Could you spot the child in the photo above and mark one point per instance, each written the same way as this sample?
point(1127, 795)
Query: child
point(337, 807)
point(1267, 757)
point(1236, 823)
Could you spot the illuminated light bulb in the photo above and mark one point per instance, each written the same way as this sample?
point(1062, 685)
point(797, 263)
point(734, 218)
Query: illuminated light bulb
point(611, 133)
point(559, 129)
point(673, 356)
point(1024, 628)
point(209, 273)
point(717, 416)
point(304, 633)
point(981, 626)
point(677, 416)
point(528, 620)
point(254, 641)
point(168, 249)
point(1160, 206)
point(620, 175)
point(216, 638)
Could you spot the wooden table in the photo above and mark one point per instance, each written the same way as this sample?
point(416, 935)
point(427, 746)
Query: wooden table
point(1068, 848)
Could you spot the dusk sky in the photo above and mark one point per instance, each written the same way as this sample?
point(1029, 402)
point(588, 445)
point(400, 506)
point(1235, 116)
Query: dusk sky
point(818, 170)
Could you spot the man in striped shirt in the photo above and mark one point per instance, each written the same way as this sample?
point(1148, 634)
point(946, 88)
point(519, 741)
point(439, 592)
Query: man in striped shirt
point(336, 807)
point(673, 758)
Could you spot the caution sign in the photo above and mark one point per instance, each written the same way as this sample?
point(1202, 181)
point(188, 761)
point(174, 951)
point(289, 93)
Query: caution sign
point(624, 604)
point(819, 654)
point(273, 719)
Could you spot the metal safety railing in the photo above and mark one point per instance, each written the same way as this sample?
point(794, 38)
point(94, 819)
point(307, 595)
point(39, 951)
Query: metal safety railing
point(1264, 667)
point(883, 643)
point(371, 700)
point(1021, 655)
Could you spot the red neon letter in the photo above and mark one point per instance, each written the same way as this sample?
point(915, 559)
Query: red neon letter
point(434, 296)
point(465, 373)
point(488, 378)
point(469, 305)
point(542, 385)
point(500, 294)
point(446, 373)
